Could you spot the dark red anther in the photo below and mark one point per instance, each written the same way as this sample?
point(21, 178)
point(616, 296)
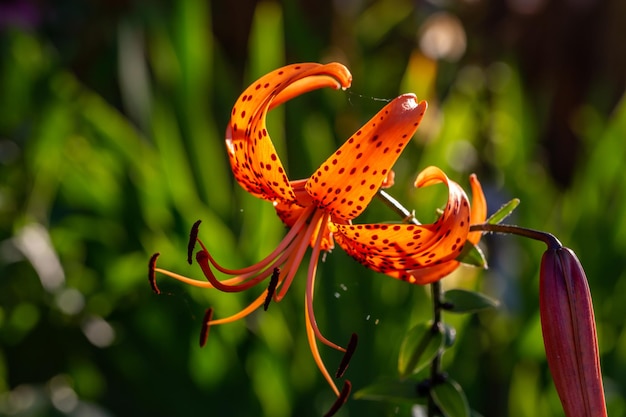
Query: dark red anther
point(341, 400)
point(345, 361)
point(204, 332)
point(271, 289)
point(193, 237)
point(151, 273)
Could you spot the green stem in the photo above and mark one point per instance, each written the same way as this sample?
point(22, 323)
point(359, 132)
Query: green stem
point(435, 365)
point(436, 291)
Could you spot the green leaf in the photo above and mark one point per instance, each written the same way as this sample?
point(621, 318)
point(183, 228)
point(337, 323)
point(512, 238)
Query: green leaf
point(464, 301)
point(472, 255)
point(450, 399)
point(420, 345)
point(503, 212)
point(392, 391)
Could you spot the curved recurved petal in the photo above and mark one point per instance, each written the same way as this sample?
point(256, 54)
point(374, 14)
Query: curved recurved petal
point(399, 249)
point(252, 155)
point(347, 181)
point(431, 274)
point(478, 214)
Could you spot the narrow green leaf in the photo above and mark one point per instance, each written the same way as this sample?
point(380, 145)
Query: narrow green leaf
point(450, 399)
point(420, 345)
point(392, 391)
point(464, 301)
point(472, 255)
point(503, 212)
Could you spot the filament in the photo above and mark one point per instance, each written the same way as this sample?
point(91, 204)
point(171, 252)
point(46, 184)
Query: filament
point(316, 354)
point(282, 246)
point(296, 257)
point(243, 313)
point(182, 278)
point(202, 259)
point(310, 288)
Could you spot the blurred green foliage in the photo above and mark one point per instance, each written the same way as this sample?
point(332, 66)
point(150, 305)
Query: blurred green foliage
point(111, 146)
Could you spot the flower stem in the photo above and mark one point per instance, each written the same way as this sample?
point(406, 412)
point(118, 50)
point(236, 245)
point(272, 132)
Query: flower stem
point(436, 292)
point(435, 365)
point(549, 239)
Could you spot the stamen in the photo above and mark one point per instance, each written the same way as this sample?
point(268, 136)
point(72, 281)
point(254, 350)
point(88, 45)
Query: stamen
point(204, 332)
point(202, 258)
point(271, 289)
point(281, 252)
point(310, 333)
point(186, 280)
point(310, 288)
point(345, 361)
point(193, 237)
point(296, 256)
point(151, 273)
point(243, 313)
point(341, 400)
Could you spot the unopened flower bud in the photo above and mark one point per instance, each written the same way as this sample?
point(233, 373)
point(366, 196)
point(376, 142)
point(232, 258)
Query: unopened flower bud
point(569, 334)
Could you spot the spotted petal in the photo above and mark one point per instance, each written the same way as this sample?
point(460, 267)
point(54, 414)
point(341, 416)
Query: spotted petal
point(478, 215)
point(345, 184)
point(398, 249)
point(253, 158)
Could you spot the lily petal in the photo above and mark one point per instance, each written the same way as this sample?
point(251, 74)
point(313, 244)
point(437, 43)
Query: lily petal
point(348, 180)
point(253, 158)
point(478, 215)
point(398, 249)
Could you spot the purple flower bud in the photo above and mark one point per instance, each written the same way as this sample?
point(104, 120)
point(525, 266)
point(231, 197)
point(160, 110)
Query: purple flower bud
point(569, 334)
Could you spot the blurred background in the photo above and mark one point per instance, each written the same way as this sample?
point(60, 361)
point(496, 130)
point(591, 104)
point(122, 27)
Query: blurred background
point(112, 116)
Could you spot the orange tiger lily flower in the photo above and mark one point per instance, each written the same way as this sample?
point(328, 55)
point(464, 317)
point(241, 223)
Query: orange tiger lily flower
point(419, 254)
point(319, 210)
